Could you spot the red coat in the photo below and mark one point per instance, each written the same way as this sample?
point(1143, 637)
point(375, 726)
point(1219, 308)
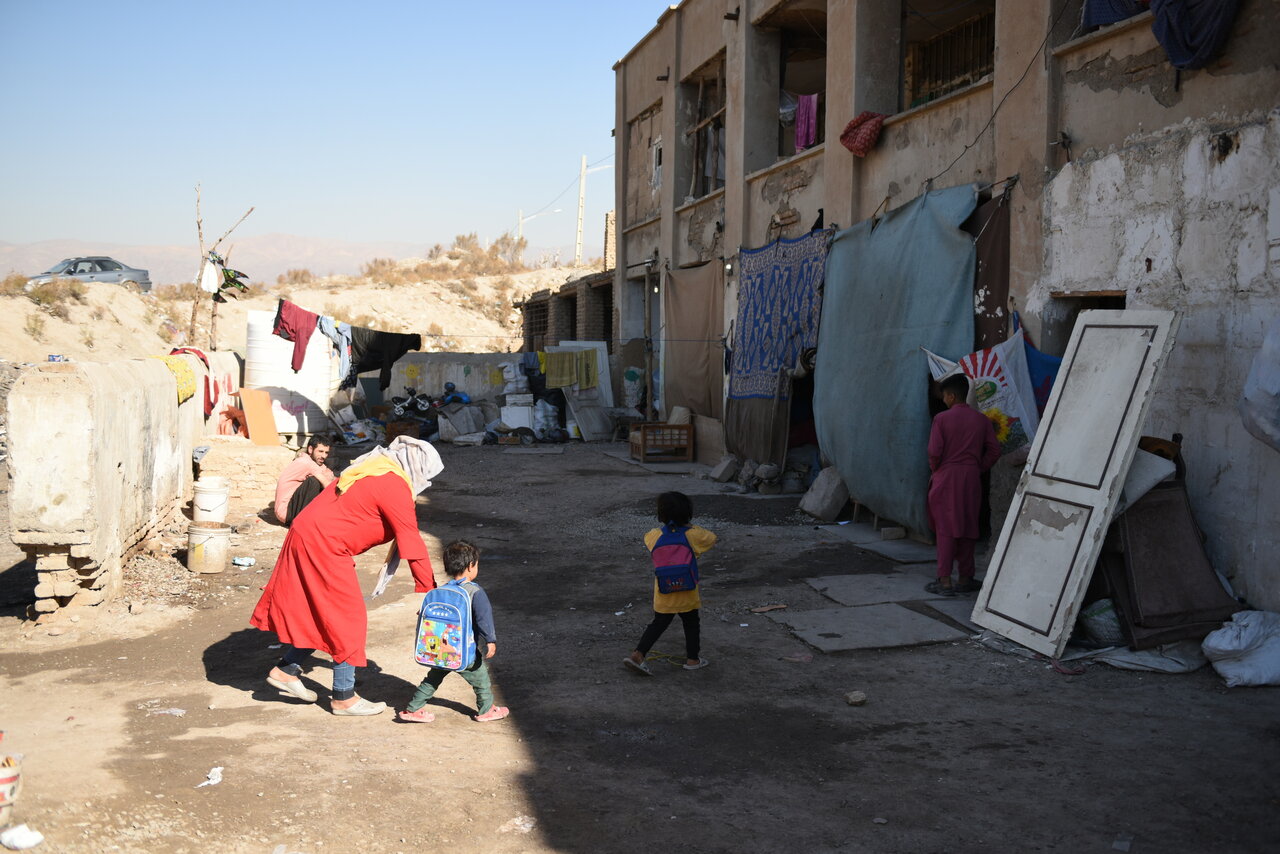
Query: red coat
point(962, 445)
point(313, 599)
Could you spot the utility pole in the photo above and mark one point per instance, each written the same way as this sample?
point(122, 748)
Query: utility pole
point(520, 235)
point(582, 205)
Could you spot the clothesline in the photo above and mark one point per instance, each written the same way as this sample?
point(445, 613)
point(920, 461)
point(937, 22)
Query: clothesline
point(359, 349)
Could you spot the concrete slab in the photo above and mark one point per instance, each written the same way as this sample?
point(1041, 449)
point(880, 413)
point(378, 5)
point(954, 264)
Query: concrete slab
point(865, 627)
point(872, 589)
point(554, 449)
point(903, 551)
point(855, 532)
point(960, 609)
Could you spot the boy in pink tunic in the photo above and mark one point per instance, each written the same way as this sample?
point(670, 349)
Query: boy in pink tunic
point(962, 445)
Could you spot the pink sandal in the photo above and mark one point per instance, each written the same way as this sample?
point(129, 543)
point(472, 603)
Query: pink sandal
point(421, 716)
point(496, 713)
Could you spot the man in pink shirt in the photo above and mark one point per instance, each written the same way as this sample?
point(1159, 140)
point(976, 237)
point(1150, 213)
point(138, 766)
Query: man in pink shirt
point(302, 480)
point(962, 445)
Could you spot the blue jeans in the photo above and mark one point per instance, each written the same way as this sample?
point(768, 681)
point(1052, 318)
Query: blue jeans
point(344, 675)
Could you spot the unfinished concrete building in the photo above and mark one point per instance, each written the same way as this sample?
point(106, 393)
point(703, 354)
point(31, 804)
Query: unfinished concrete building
point(1137, 185)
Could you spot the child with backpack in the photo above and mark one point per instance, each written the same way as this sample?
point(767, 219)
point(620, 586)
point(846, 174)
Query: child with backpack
point(675, 548)
point(462, 643)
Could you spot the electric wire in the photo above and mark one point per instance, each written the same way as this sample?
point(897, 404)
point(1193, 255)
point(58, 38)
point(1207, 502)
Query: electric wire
point(567, 188)
point(1053, 26)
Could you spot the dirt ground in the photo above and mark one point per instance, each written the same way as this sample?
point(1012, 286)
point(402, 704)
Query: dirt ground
point(958, 749)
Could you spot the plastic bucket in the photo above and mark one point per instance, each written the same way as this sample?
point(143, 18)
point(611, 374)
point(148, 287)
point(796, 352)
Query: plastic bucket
point(10, 786)
point(208, 544)
point(210, 501)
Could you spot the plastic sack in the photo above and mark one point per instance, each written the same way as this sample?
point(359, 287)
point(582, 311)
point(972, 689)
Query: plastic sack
point(1260, 405)
point(1246, 650)
point(1101, 624)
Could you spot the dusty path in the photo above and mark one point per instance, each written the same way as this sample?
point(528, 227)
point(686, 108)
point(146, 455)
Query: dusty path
point(958, 749)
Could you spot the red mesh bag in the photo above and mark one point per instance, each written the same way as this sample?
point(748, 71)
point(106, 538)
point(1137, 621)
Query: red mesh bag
point(860, 135)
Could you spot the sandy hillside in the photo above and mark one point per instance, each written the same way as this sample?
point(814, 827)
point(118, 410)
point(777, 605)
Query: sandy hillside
point(464, 314)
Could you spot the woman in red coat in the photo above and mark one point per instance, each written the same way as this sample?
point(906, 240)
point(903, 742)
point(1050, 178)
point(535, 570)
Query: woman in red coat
point(313, 600)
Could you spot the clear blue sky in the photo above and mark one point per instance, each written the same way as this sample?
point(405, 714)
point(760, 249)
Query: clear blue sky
point(385, 120)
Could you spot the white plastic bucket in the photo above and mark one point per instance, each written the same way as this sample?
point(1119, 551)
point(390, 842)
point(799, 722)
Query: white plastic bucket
point(207, 546)
point(10, 786)
point(299, 401)
point(210, 501)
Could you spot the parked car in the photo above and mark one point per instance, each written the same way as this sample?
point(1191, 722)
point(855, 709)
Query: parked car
point(94, 268)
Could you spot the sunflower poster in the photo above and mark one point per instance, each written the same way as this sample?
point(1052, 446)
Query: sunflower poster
point(1000, 388)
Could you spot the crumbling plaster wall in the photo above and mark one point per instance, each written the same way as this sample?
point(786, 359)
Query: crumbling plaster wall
point(919, 144)
point(784, 200)
point(1188, 219)
point(700, 227)
point(100, 460)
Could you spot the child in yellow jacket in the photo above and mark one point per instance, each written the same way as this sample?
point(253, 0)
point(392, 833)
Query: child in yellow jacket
point(675, 509)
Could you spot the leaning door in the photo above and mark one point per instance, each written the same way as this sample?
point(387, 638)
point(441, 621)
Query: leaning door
point(1072, 480)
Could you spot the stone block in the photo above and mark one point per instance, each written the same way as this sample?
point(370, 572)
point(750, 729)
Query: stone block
point(748, 472)
point(768, 471)
point(827, 497)
point(66, 588)
point(769, 487)
point(53, 560)
point(45, 606)
point(89, 597)
point(44, 590)
point(726, 470)
point(893, 533)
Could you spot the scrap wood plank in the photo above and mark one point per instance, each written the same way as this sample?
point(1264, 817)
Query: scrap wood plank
point(258, 416)
point(1053, 534)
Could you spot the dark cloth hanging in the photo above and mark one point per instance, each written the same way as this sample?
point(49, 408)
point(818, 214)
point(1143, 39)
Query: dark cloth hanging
point(989, 225)
point(295, 324)
point(373, 350)
point(1101, 13)
point(1192, 32)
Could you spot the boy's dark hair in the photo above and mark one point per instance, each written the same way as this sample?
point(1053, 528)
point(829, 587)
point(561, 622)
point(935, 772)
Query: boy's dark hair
point(957, 384)
point(459, 555)
point(674, 508)
point(320, 439)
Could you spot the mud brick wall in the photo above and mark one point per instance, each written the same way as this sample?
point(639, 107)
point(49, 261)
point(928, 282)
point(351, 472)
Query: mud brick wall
point(100, 460)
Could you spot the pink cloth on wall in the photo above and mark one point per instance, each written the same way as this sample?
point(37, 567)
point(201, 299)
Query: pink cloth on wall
point(806, 121)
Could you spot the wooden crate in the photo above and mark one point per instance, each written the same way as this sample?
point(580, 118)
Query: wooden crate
point(658, 442)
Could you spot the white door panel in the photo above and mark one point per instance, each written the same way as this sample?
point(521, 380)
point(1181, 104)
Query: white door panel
point(1073, 477)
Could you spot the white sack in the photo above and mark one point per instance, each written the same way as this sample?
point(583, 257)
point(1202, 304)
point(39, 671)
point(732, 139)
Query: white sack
point(1246, 650)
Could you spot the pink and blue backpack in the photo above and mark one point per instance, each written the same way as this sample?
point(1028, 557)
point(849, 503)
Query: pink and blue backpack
point(674, 563)
point(446, 632)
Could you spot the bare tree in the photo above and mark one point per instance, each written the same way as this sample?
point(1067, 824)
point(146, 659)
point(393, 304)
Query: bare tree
point(204, 256)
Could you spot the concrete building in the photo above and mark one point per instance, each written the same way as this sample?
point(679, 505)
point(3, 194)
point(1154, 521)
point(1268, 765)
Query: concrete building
point(1138, 186)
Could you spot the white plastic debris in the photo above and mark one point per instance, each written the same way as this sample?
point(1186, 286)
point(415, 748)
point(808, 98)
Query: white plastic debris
point(177, 713)
point(20, 838)
point(519, 824)
point(214, 777)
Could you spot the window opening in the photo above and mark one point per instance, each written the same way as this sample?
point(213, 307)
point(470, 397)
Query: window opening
point(705, 89)
point(802, 97)
point(535, 325)
point(946, 47)
point(604, 302)
point(655, 151)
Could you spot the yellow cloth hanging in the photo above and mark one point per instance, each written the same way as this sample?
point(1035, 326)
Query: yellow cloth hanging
point(183, 374)
point(562, 369)
point(588, 376)
point(370, 468)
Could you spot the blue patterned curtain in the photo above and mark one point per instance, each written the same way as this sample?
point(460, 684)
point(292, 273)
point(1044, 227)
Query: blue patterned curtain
point(779, 304)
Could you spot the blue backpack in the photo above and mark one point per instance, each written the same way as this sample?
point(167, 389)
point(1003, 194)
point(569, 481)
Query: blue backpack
point(674, 563)
point(446, 633)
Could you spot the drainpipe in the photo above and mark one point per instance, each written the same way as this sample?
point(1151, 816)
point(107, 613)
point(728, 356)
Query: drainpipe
point(651, 412)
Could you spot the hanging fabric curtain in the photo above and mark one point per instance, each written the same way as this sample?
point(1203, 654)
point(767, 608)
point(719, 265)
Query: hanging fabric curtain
point(694, 311)
point(893, 286)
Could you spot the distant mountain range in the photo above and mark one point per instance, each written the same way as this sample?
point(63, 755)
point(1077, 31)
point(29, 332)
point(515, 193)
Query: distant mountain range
point(262, 257)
